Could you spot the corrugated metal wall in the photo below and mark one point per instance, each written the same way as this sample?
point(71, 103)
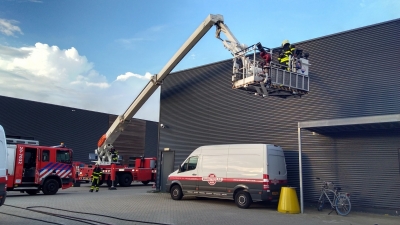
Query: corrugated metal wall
point(78, 129)
point(52, 124)
point(151, 137)
point(353, 74)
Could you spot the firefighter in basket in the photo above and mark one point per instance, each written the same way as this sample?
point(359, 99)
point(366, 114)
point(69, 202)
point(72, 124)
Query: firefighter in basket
point(114, 155)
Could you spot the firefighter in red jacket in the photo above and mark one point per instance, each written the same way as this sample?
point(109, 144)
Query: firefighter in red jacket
point(96, 178)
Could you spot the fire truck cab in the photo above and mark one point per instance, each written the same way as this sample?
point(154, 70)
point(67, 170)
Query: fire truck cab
point(32, 168)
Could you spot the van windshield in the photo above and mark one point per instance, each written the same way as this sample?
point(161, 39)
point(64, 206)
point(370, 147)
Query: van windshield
point(189, 164)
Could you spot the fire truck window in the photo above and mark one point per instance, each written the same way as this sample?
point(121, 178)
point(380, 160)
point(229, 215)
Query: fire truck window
point(63, 156)
point(45, 155)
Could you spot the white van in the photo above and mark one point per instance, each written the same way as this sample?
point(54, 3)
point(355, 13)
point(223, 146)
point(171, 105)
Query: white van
point(242, 172)
point(3, 166)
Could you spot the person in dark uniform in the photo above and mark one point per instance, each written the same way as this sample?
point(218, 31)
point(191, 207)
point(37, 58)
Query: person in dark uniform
point(96, 178)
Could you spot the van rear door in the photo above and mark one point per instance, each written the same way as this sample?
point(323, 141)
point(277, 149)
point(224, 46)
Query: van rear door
point(277, 172)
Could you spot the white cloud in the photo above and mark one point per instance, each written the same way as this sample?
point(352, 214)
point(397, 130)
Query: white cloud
point(127, 75)
point(63, 77)
point(8, 28)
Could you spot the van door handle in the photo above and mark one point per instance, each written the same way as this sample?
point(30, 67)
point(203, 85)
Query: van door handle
point(194, 174)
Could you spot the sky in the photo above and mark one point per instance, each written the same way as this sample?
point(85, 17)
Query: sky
point(98, 55)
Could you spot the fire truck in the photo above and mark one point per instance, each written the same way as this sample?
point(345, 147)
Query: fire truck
point(3, 166)
point(144, 171)
point(32, 168)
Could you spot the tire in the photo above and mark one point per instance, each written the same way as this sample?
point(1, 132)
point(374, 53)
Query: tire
point(32, 192)
point(50, 187)
point(145, 182)
point(176, 192)
point(125, 180)
point(321, 203)
point(109, 182)
point(243, 199)
point(343, 205)
point(2, 200)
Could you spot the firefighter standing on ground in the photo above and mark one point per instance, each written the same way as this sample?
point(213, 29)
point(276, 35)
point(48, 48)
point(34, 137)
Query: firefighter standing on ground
point(287, 50)
point(96, 178)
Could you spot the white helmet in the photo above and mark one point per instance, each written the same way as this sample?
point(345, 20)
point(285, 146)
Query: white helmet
point(284, 42)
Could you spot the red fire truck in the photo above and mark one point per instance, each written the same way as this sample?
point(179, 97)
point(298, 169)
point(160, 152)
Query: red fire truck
point(144, 171)
point(3, 166)
point(32, 168)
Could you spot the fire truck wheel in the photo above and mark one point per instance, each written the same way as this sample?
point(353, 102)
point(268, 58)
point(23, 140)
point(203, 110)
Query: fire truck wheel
point(145, 182)
point(125, 180)
point(109, 182)
point(32, 192)
point(176, 192)
point(50, 187)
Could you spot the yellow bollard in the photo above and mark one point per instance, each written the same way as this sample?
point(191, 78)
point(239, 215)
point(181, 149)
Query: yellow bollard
point(288, 202)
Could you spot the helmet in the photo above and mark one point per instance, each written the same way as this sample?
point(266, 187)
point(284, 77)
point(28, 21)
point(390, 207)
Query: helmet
point(285, 42)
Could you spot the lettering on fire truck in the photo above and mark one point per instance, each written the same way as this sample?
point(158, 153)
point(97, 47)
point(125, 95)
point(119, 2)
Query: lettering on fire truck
point(21, 150)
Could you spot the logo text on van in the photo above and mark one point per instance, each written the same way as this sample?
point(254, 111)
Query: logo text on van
point(212, 179)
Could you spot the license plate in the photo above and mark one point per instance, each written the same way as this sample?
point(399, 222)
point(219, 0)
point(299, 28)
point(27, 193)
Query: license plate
point(275, 193)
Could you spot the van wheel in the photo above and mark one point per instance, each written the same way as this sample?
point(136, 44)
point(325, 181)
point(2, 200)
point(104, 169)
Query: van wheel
point(176, 192)
point(50, 187)
point(243, 199)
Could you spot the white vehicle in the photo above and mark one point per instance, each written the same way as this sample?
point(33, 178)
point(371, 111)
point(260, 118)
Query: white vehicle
point(249, 74)
point(243, 172)
point(3, 166)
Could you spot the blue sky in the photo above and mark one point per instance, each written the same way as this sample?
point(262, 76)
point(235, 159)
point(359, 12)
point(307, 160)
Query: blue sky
point(98, 55)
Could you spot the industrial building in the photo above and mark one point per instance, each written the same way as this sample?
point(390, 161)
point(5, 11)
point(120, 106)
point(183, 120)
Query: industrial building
point(79, 129)
point(348, 125)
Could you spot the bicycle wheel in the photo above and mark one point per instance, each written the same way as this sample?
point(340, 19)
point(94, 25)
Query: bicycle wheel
point(343, 205)
point(321, 202)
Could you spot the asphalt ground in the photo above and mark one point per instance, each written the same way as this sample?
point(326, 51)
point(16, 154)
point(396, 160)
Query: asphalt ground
point(135, 205)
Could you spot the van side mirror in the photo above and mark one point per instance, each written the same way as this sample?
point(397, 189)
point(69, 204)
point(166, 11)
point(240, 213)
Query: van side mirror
point(179, 168)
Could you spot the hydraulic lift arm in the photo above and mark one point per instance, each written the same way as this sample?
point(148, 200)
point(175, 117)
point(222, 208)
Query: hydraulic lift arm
point(106, 141)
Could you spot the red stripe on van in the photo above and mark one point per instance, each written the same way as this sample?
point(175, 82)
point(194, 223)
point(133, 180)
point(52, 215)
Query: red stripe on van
point(184, 178)
point(265, 181)
point(236, 180)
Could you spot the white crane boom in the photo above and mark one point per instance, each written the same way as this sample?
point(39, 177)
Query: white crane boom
point(106, 141)
point(249, 74)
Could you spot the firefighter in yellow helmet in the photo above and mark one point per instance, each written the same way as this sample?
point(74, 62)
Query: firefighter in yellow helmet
point(96, 178)
point(286, 51)
point(114, 155)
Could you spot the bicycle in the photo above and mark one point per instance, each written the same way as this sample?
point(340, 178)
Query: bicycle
point(340, 202)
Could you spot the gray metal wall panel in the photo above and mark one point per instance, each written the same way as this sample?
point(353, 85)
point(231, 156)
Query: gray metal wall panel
point(52, 124)
point(151, 139)
point(353, 74)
